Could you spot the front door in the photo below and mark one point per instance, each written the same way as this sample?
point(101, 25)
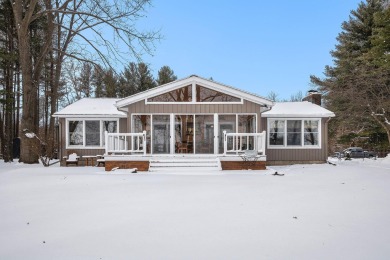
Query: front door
point(184, 132)
point(204, 134)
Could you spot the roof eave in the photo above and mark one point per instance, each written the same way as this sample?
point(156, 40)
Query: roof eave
point(298, 115)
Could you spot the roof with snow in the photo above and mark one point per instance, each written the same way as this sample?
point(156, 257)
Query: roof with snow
point(92, 107)
point(297, 109)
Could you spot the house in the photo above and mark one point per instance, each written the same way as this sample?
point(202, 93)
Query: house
point(195, 118)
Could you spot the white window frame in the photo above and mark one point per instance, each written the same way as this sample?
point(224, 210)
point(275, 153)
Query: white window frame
point(302, 146)
point(83, 146)
point(193, 101)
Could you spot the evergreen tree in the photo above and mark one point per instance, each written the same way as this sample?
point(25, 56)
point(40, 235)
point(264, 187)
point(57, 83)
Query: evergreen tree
point(145, 80)
point(98, 82)
point(165, 75)
point(110, 83)
point(128, 81)
point(353, 84)
point(85, 79)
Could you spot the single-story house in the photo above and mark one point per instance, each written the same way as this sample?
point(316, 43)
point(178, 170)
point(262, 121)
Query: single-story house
point(195, 118)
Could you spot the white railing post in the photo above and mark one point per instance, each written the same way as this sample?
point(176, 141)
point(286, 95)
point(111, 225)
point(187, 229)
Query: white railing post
point(119, 142)
point(144, 142)
point(238, 142)
point(105, 142)
point(263, 141)
point(224, 142)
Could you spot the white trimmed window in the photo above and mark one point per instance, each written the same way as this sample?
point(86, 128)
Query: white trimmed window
point(88, 133)
point(294, 133)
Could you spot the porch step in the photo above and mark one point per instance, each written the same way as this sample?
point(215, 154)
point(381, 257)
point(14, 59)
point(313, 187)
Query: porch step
point(185, 163)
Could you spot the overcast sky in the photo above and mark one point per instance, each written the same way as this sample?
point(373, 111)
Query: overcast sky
point(258, 46)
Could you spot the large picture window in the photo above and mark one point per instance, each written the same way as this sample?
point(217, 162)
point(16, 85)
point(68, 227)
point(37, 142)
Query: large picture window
point(89, 133)
point(294, 133)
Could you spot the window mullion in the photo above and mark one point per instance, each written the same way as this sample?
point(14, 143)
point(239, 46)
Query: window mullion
point(303, 132)
point(285, 133)
point(84, 132)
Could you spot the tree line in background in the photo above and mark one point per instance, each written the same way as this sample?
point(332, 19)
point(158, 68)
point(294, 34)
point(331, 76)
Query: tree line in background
point(87, 80)
point(357, 86)
point(53, 51)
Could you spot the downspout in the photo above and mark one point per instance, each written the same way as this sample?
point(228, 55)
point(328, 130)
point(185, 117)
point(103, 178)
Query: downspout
point(266, 108)
point(326, 139)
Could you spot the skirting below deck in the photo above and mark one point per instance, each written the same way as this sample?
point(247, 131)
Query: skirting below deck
point(142, 163)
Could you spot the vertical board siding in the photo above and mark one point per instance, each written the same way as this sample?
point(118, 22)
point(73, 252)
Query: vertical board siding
point(299, 154)
point(246, 107)
point(123, 125)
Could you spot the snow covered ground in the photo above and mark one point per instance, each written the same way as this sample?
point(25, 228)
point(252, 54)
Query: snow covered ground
point(312, 212)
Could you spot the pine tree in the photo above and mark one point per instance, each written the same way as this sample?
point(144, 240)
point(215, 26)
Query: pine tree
point(85, 79)
point(128, 81)
point(352, 85)
point(165, 75)
point(146, 80)
point(110, 83)
point(98, 82)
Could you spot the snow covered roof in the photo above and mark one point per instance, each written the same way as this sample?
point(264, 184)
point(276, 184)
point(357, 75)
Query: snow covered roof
point(297, 109)
point(92, 107)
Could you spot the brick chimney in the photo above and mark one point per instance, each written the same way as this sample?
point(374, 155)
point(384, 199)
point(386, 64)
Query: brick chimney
point(313, 96)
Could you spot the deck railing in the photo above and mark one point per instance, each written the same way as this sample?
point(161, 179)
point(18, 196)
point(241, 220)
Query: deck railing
point(125, 142)
point(235, 143)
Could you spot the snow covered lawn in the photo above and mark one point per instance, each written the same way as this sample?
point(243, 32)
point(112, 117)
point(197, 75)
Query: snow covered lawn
point(312, 212)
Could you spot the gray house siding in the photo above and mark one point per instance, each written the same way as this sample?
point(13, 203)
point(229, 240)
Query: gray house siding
point(85, 151)
point(246, 107)
point(294, 156)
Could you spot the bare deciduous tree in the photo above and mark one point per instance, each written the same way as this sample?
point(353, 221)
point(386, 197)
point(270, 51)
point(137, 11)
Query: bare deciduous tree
point(77, 29)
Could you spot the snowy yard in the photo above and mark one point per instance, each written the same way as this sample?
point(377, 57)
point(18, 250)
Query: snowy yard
point(312, 212)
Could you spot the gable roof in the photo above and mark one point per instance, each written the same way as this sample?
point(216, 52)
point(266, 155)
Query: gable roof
point(190, 80)
point(91, 107)
point(297, 109)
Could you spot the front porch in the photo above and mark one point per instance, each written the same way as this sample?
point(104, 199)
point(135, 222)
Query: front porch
point(240, 151)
